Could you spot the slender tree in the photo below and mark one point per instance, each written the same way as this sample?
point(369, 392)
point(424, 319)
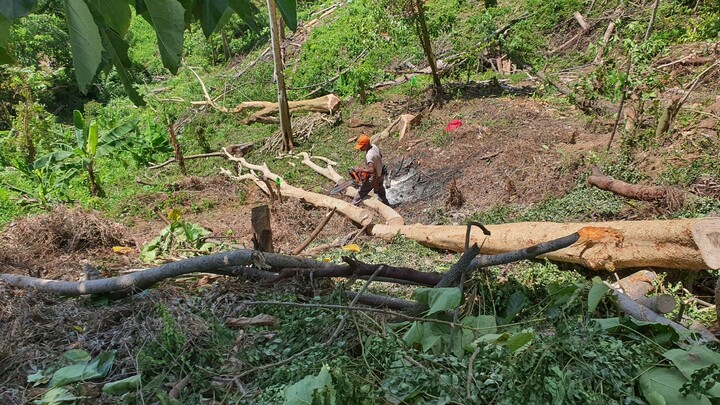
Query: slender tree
point(284, 110)
point(422, 31)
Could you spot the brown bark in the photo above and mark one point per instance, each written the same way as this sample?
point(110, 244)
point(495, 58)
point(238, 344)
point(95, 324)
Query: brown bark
point(690, 244)
point(427, 47)
point(284, 110)
point(262, 232)
point(637, 285)
point(176, 147)
point(633, 191)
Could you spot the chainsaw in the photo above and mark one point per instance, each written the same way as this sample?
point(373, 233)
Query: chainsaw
point(356, 179)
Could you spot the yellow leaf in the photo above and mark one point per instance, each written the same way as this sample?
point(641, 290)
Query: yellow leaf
point(174, 215)
point(122, 250)
point(352, 248)
point(78, 328)
point(326, 259)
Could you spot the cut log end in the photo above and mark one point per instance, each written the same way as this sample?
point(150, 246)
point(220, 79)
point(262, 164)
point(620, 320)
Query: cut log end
point(706, 234)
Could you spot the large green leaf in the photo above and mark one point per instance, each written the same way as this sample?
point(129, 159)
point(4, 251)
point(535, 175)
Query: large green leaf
point(168, 19)
point(288, 9)
point(661, 385)
point(92, 142)
point(311, 389)
point(661, 334)
point(82, 371)
point(692, 360)
point(209, 13)
point(120, 387)
point(438, 299)
point(118, 49)
point(597, 292)
point(516, 303)
point(115, 14)
point(246, 10)
point(57, 396)
point(12, 9)
point(85, 42)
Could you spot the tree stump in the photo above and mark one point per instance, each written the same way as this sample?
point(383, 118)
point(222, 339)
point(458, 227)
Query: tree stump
point(262, 232)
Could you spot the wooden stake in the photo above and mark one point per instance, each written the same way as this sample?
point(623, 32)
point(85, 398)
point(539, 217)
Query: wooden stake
point(315, 233)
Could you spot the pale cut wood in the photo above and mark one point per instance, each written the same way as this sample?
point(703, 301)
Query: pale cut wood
point(390, 216)
point(356, 214)
point(581, 20)
point(706, 234)
point(638, 284)
point(664, 244)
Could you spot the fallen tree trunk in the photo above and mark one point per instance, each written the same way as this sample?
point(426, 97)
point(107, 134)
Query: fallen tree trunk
point(692, 244)
point(390, 216)
point(236, 150)
point(356, 214)
point(143, 279)
point(268, 109)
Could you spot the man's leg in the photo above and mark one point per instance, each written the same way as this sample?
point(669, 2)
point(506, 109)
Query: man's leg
point(380, 192)
point(365, 188)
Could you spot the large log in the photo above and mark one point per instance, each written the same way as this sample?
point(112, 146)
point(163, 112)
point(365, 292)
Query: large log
point(692, 244)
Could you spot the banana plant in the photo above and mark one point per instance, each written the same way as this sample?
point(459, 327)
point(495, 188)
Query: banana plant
point(89, 145)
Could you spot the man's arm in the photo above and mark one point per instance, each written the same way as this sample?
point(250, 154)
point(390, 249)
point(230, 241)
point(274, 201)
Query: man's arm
point(369, 169)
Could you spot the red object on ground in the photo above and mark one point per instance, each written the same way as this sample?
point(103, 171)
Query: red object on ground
point(453, 125)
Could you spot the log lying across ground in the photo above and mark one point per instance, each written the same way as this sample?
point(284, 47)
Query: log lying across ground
point(692, 244)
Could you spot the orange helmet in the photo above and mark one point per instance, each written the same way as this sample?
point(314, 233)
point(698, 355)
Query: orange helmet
point(362, 141)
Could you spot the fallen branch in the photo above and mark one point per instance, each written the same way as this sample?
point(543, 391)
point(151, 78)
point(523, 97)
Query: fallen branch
point(325, 104)
point(355, 214)
point(315, 232)
point(356, 268)
point(145, 278)
point(633, 191)
point(236, 150)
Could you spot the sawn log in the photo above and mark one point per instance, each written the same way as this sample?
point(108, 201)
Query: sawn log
point(692, 244)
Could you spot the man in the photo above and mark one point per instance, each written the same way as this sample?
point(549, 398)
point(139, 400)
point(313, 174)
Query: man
point(374, 169)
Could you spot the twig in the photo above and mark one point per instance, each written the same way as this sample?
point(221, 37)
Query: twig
point(315, 233)
point(203, 155)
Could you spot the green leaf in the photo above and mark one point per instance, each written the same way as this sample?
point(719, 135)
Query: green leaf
point(693, 359)
point(116, 136)
point(57, 396)
point(434, 337)
point(120, 387)
point(438, 299)
point(115, 14)
point(597, 292)
point(518, 341)
point(414, 334)
point(12, 9)
point(666, 383)
point(85, 42)
point(168, 19)
point(516, 303)
point(118, 50)
point(246, 10)
point(97, 368)
point(661, 334)
point(39, 377)
point(76, 356)
point(209, 13)
point(288, 9)
point(92, 139)
point(310, 388)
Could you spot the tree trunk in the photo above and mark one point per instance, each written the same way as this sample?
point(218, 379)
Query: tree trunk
point(176, 148)
point(95, 189)
point(691, 244)
point(262, 231)
point(285, 125)
point(427, 47)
